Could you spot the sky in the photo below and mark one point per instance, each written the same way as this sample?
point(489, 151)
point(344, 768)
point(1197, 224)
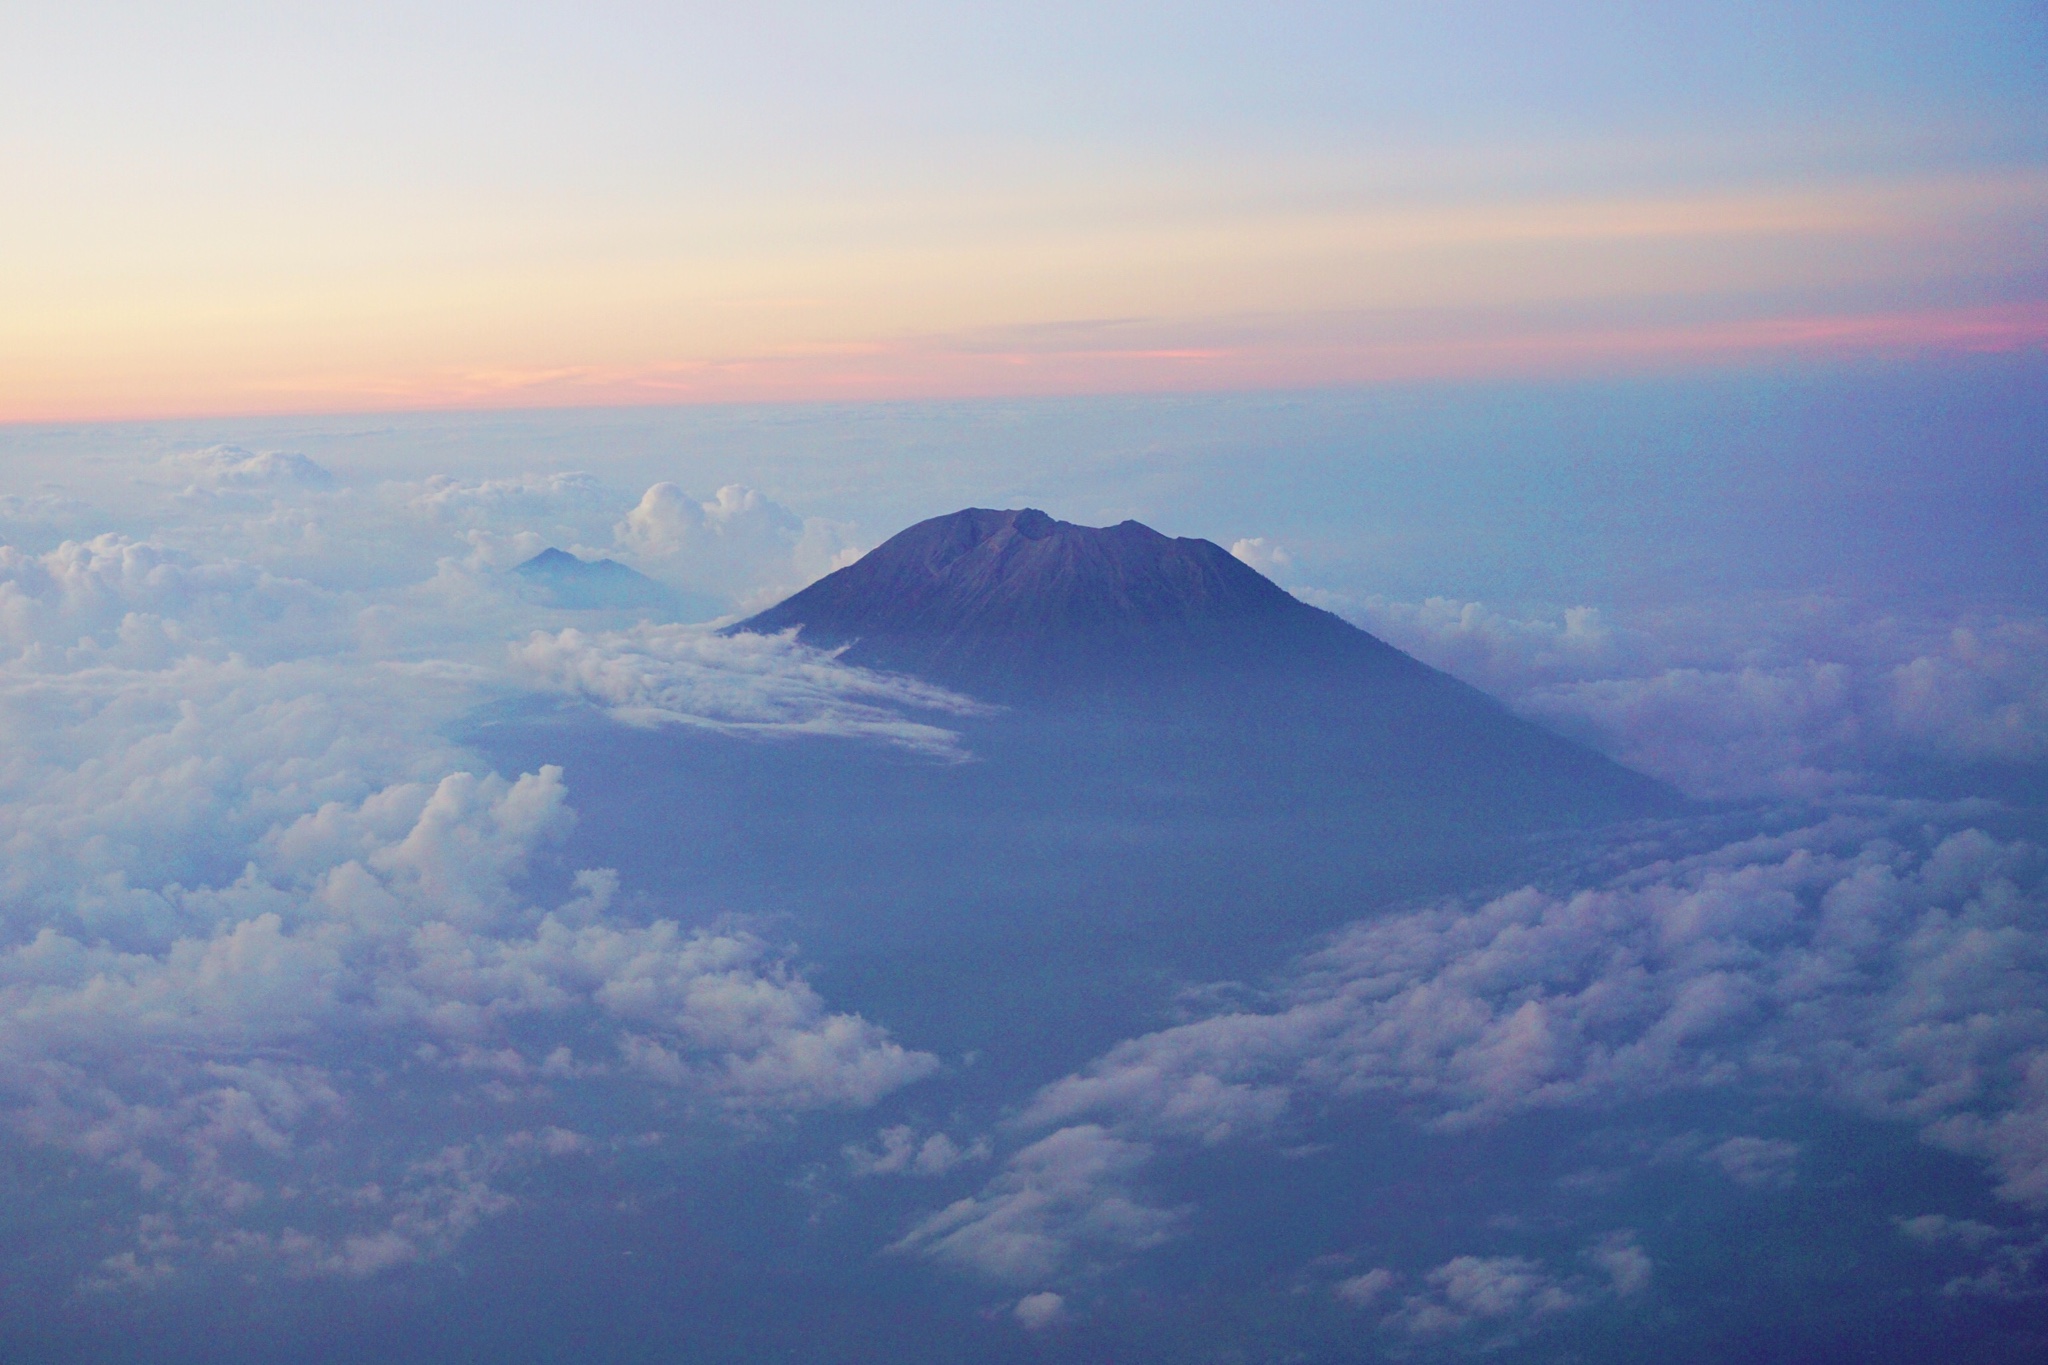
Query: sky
point(226, 209)
point(398, 963)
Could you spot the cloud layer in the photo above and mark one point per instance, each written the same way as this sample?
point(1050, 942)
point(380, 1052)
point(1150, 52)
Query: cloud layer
point(1804, 697)
point(277, 956)
point(1874, 963)
point(308, 987)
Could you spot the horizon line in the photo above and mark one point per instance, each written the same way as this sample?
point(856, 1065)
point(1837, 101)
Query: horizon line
point(952, 369)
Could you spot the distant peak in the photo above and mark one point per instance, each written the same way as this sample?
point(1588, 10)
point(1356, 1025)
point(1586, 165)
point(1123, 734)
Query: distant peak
point(567, 580)
point(554, 563)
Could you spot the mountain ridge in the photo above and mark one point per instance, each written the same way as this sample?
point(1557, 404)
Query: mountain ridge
point(1014, 601)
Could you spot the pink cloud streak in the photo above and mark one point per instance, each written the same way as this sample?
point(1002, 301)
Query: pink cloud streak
point(1129, 357)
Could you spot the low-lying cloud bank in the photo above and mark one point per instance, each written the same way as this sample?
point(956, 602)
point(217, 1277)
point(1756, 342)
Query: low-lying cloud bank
point(165, 700)
point(270, 953)
point(301, 977)
point(1803, 697)
point(1894, 964)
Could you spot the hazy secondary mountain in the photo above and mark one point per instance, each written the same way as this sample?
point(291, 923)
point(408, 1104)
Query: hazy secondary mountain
point(1187, 660)
point(565, 580)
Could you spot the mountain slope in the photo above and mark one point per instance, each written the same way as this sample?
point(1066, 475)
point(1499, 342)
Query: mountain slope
point(1161, 660)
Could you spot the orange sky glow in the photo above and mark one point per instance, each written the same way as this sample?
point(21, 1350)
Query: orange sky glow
point(265, 216)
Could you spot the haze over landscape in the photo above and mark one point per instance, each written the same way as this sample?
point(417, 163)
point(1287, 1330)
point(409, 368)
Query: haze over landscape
point(1216, 684)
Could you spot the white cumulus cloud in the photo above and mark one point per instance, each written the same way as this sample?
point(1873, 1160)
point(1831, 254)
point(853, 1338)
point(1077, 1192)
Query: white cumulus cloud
point(1041, 1310)
point(227, 1072)
point(898, 1150)
point(269, 958)
point(232, 467)
point(1881, 966)
point(1066, 1196)
point(738, 544)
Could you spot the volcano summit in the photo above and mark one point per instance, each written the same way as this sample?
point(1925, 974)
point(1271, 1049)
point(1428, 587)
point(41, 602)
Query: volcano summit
point(1010, 603)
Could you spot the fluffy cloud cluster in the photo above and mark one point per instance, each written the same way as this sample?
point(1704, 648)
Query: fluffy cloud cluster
point(2005, 1263)
point(115, 600)
point(39, 520)
point(166, 700)
point(1062, 1197)
point(1892, 970)
point(378, 953)
point(270, 948)
point(231, 467)
point(738, 550)
point(1751, 1160)
point(160, 714)
point(899, 1151)
point(1802, 697)
point(764, 550)
point(1262, 554)
point(1496, 1297)
point(1039, 1311)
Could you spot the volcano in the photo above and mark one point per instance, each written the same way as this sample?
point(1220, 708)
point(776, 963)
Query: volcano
point(1185, 660)
point(1183, 774)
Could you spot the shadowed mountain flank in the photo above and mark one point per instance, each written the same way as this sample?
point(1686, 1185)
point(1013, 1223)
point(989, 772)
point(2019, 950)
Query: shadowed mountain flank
point(1174, 653)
